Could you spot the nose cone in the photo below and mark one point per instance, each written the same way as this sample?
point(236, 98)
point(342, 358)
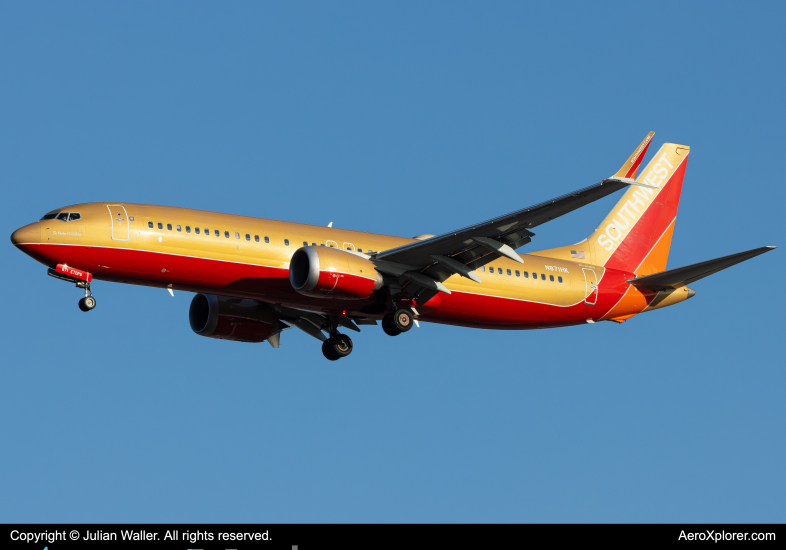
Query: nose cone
point(29, 234)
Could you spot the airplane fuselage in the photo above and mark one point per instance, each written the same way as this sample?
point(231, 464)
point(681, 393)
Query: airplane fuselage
point(247, 257)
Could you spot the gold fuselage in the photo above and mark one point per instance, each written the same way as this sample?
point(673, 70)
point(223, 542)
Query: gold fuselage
point(105, 230)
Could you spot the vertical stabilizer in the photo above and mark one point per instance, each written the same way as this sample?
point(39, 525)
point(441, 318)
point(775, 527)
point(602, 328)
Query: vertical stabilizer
point(636, 235)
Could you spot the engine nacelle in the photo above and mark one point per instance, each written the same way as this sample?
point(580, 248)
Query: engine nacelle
point(323, 272)
point(231, 319)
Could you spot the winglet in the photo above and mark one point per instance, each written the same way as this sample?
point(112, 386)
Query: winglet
point(628, 169)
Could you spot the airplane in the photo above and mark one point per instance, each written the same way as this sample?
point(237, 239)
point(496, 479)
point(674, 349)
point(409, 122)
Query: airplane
point(255, 278)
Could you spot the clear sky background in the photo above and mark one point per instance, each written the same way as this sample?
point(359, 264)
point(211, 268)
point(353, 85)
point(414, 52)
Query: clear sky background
point(398, 118)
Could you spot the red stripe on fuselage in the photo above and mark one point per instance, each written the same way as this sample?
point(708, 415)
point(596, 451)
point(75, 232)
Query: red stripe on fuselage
point(272, 285)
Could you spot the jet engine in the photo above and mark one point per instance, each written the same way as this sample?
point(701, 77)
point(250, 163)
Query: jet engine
point(322, 272)
point(232, 319)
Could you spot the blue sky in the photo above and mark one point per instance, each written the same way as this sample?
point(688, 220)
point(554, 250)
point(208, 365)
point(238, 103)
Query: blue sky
point(405, 118)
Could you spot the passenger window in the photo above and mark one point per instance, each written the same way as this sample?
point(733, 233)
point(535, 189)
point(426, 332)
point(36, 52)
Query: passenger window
point(237, 235)
point(267, 239)
point(150, 225)
point(360, 250)
point(256, 238)
point(179, 228)
point(499, 270)
point(248, 237)
point(196, 230)
point(160, 225)
point(321, 244)
point(188, 229)
point(518, 274)
point(169, 226)
point(508, 272)
point(226, 234)
point(313, 244)
point(286, 242)
point(526, 274)
point(217, 233)
point(74, 216)
point(551, 278)
point(483, 269)
point(534, 275)
point(63, 216)
point(559, 279)
point(542, 276)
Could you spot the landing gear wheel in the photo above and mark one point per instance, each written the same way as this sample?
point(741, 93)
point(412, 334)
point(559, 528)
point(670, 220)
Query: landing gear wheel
point(342, 345)
point(388, 327)
point(328, 352)
point(402, 320)
point(87, 303)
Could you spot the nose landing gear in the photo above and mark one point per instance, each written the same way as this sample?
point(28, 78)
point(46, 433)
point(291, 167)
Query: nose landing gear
point(80, 278)
point(88, 302)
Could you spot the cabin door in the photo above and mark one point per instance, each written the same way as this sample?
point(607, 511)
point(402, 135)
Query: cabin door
point(590, 286)
point(120, 224)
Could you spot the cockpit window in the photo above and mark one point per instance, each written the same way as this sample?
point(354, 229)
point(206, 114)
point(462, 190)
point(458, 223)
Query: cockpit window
point(62, 216)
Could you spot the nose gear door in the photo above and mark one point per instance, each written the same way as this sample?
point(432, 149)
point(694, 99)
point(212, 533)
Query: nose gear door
point(120, 226)
point(590, 286)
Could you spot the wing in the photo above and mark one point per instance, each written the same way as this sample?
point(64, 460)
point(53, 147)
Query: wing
point(470, 244)
point(424, 265)
point(427, 263)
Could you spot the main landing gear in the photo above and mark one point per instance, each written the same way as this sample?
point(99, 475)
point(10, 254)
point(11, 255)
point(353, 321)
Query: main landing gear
point(397, 322)
point(338, 345)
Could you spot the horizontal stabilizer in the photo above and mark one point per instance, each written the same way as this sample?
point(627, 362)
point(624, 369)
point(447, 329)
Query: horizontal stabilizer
point(675, 278)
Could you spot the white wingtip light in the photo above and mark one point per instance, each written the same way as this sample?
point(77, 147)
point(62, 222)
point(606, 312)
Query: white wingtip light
point(169, 288)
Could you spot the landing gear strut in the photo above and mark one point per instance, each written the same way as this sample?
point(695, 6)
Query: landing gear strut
point(80, 278)
point(397, 322)
point(338, 345)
